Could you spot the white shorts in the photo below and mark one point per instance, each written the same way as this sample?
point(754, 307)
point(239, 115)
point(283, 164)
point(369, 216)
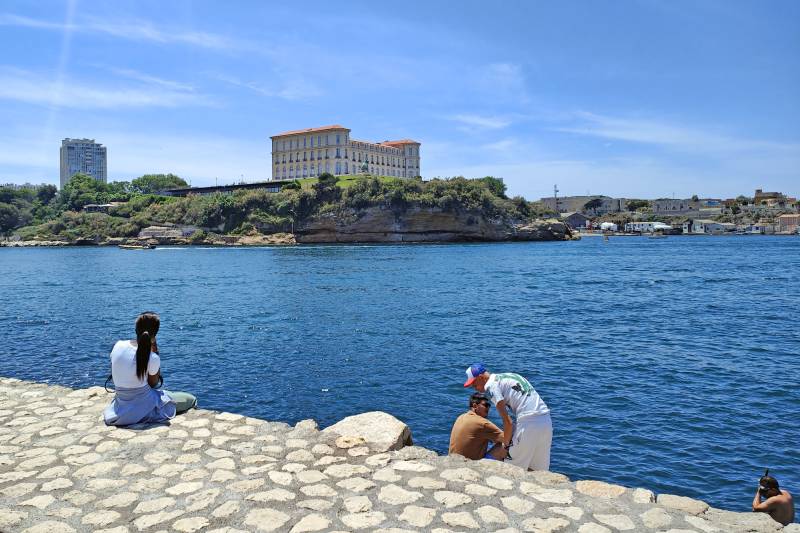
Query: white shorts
point(533, 436)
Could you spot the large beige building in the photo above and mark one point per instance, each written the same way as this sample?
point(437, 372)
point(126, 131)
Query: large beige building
point(310, 152)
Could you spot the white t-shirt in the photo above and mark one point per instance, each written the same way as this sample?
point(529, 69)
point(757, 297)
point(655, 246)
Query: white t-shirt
point(123, 366)
point(518, 394)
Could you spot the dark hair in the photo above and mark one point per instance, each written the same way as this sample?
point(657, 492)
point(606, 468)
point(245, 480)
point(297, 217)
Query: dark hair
point(769, 482)
point(147, 325)
point(478, 397)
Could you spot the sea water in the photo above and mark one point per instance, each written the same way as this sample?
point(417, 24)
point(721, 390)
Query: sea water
point(670, 364)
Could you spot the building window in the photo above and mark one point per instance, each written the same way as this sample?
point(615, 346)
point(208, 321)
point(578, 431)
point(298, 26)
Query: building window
point(337, 138)
point(338, 155)
point(305, 171)
point(312, 141)
point(304, 142)
point(305, 156)
point(338, 168)
point(346, 168)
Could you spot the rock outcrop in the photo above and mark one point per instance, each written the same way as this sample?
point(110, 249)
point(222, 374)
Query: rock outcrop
point(381, 431)
point(423, 225)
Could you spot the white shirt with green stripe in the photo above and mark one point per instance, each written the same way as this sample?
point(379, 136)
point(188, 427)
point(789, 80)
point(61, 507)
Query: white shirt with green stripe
point(518, 394)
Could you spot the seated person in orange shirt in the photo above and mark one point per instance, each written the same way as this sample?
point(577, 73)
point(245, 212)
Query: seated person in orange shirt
point(472, 432)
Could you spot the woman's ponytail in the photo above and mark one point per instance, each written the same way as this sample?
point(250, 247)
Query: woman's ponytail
point(144, 345)
point(147, 325)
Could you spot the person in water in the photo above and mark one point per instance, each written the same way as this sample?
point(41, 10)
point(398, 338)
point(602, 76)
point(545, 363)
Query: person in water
point(472, 432)
point(778, 503)
point(527, 441)
point(136, 371)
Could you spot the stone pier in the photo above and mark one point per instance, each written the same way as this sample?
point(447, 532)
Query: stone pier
point(63, 470)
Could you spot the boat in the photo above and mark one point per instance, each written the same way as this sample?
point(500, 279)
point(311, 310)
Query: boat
point(657, 235)
point(145, 246)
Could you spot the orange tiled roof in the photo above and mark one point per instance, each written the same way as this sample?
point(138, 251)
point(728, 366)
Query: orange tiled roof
point(400, 142)
point(311, 130)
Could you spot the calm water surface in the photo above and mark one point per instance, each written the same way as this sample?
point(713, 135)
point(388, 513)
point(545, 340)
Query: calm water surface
point(671, 364)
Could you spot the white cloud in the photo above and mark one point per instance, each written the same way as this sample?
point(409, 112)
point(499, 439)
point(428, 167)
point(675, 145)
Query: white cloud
point(24, 86)
point(480, 121)
point(290, 88)
point(131, 29)
point(668, 135)
point(146, 78)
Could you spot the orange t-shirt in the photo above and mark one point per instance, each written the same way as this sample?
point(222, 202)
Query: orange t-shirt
point(472, 434)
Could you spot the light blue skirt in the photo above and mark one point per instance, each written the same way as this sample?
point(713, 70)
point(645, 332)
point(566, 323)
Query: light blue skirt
point(141, 405)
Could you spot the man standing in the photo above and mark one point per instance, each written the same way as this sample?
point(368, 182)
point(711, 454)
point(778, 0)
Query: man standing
point(472, 432)
point(778, 503)
point(527, 443)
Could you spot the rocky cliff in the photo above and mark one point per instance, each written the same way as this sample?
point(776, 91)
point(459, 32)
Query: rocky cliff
point(423, 225)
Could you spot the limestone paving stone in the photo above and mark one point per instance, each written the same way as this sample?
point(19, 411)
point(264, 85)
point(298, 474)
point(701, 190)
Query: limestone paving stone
point(575, 513)
point(20, 489)
point(545, 525)
point(460, 519)
point(490, 515)
point(620, 522)
point(315, 504)
point(266, 519)
point(356, 484)
point(366, 520)
point(310, 522)
point(450, 499)
point(422, 482)
point(475, 489)
point(100, 518)
point(396, 495)
point(682, 503)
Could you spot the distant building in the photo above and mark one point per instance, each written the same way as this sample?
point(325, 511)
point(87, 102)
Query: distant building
point(768, 198)
point(19, 187)
point(572, 204)
point(574, 220)
point(711, 227)
point(762, 228)
point(83, 155)
point(788, 223)
point(310, 152)
point(703, 207)
point(647, 227)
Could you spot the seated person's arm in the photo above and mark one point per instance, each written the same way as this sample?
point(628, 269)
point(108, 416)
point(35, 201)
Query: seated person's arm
point(763, 507)
point(152, 379)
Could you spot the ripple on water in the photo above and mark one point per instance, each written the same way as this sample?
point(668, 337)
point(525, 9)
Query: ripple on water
point(662, 362)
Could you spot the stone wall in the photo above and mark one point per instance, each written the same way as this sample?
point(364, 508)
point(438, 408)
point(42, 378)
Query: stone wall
point(63, 470)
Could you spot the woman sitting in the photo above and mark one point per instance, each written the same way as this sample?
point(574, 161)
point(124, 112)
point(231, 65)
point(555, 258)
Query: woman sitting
point(136, 371)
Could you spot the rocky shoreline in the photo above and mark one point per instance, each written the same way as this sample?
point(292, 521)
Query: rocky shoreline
point(372, 225)
point(63, 470)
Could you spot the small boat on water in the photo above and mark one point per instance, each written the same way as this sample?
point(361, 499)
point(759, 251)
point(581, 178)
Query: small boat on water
point(657, 235)
point(145, 246)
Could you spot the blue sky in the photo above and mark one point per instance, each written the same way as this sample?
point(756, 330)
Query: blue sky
point(642, 98)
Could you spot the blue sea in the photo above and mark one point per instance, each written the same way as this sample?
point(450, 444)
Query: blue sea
point(669, 364)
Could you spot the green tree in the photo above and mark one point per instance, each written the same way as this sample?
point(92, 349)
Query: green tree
point(293, 185)
point(153, 183)
point(495, 185)
point(82, 190)
point(593, 204)
point(633, 205)
point(695, 198)
point(46, 193)
point(325, 189)
point(9, 217)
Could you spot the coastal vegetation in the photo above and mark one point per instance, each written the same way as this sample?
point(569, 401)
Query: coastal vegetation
point(128, 207)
